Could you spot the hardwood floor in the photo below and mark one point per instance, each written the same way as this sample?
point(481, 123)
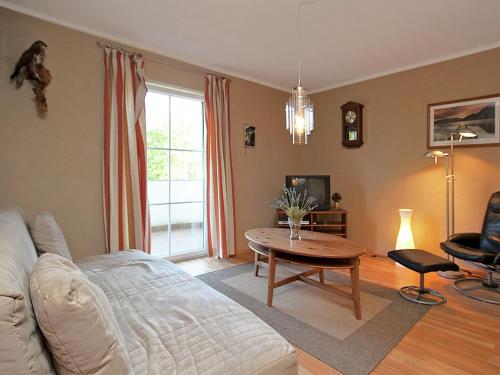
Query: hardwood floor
point(460, 337)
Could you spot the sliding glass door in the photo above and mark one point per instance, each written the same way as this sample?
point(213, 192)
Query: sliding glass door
point(176, 174)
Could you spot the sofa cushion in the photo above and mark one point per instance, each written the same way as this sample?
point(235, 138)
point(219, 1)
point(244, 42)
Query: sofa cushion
point(48, 236)
point(22, 349)
point(77, 320)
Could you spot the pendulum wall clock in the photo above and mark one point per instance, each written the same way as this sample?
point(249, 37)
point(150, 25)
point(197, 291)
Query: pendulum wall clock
point(352, 124)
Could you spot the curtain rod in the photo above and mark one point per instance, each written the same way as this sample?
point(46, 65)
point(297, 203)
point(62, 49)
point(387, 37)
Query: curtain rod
point(164, 60)
point(104, 45)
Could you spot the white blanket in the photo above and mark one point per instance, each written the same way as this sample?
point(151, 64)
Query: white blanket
point(175, 324)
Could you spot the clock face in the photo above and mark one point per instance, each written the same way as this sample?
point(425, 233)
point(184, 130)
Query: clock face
point(350, 117)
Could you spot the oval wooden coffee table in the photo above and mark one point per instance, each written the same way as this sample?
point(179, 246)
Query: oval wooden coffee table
point(318, 251)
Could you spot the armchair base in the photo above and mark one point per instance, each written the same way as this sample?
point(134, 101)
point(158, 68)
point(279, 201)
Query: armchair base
point(486, 290)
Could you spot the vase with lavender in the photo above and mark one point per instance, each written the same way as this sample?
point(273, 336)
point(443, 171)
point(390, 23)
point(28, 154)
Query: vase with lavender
point(295, 206)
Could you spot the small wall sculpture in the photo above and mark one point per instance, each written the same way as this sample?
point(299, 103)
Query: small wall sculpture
point(30, 67)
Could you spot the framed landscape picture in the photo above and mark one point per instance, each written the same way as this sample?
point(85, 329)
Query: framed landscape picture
point(481, 115)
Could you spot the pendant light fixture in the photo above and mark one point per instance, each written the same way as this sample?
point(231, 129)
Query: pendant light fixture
point(299, 110)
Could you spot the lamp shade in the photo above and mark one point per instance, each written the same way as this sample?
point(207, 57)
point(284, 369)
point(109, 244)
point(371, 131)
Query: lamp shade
point(436, 154)
point(299, 116)
point(405, 235)
point(465, 132)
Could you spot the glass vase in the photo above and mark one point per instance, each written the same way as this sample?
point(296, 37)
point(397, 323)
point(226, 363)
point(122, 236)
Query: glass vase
point(295, 224)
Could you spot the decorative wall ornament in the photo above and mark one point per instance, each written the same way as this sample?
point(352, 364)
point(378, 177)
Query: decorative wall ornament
point(249, 136)
point(30, 67)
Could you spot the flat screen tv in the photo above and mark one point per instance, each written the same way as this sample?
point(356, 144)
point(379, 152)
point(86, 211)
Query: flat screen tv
point(316, 186)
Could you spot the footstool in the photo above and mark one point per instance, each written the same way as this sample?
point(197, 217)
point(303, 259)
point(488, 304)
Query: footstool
point(422, 261)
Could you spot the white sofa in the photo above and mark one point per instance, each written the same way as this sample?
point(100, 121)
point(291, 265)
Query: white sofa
point(172, 322)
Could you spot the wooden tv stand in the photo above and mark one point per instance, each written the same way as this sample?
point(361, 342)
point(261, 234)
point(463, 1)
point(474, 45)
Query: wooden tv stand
point(333, 221)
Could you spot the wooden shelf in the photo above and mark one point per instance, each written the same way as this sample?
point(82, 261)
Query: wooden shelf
point(333, 221)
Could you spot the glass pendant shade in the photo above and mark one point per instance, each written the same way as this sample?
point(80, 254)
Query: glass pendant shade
point(299, 116)
point(405, 235)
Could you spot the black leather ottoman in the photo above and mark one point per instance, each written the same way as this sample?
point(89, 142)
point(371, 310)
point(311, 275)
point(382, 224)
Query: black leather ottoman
point(422, 261)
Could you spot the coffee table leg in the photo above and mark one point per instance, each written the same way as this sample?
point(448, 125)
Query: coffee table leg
point(270, 278)
point(257, 259)
point(355, 290)
point(322, 276)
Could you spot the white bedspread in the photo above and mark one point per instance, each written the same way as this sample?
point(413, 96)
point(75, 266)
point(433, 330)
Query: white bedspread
point(175, 324)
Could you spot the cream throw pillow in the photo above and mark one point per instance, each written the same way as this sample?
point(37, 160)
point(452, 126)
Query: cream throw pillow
point(76, 319)
point(48, 236)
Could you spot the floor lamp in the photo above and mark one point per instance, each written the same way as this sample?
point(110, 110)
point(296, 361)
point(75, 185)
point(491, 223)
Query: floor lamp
point(461, 132)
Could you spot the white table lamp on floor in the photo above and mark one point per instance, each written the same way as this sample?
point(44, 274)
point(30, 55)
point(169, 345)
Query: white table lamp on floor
point(405, 235)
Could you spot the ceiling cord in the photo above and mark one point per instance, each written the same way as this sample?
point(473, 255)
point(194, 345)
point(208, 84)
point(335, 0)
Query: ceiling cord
point(299, 41)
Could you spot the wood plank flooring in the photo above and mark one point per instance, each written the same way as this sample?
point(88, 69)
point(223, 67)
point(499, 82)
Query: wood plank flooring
point(460, 337)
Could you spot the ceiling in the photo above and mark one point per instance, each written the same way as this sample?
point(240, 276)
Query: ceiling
point(344, 41)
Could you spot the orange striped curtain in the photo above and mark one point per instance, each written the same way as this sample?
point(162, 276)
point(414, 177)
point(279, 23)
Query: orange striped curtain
point(220, 198)
point(126, 213)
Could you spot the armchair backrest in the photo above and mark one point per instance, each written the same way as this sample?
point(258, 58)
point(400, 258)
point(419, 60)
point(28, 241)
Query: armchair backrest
point(490, 234)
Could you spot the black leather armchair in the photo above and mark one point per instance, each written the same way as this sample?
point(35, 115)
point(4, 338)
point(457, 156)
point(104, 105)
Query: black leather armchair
point(481, 249)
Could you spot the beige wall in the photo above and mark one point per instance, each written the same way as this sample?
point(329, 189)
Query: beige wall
point(389, 171)
point(54, 163)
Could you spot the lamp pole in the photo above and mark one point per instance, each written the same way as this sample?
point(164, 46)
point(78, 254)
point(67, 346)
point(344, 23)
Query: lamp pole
point(450, 191)
point(462, 131)
point(450, 205)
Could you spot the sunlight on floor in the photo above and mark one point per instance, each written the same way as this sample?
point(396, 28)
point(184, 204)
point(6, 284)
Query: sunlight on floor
point(183, 240)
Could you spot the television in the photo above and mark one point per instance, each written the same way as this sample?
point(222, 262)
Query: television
point(316, 186)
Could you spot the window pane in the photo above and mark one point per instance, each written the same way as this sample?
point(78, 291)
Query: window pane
point(158, 192)
point(187, 124)
point(187, 227)
point(187, 191)
point(159, 229)
point(157, 165)
point(175, 123)
point(157, 115)
point(186, 165)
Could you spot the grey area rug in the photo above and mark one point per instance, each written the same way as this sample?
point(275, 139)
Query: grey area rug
point(323, 324)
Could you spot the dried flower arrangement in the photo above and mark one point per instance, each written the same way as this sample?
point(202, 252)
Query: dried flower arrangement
point(294, 205)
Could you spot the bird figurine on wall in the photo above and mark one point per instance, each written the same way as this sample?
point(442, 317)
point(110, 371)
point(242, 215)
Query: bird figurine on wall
point(30, 67)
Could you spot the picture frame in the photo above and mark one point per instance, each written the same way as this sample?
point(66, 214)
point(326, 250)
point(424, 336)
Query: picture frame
point(480, 114)
point(249, 136)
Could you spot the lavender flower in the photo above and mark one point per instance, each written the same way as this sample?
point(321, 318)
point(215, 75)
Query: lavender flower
point(295, 206)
